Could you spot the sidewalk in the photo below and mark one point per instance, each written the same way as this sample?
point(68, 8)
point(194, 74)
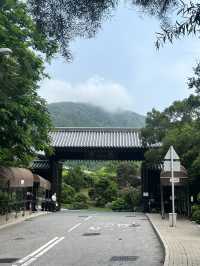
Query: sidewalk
point(14, 220)
point(181, 244)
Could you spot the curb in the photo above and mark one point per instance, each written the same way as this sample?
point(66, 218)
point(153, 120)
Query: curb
point(161, 240)
point(22, 219)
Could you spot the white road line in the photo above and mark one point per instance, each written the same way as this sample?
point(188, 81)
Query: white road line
point(74, 227)
point(29, 262)
point(41, 252)
point(88, 218)
point(49, 247)
point(36, 251)
point(43, 249)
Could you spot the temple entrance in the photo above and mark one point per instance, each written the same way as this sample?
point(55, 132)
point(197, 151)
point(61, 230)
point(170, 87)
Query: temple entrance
point(99, 144)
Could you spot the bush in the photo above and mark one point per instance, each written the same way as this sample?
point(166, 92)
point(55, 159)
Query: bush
point(92, 193)
point(75, 178)
point(132, 197)
point(198, 197)
point(196, 216)
point(68, 194)
point(80, 201)
point(129, 199)
point(4, 202)
point(100, 202)
point(118, 205)
point(195, 208)
point(105, 190)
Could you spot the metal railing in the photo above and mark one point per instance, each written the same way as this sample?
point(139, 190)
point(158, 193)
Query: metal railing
point(10, 208)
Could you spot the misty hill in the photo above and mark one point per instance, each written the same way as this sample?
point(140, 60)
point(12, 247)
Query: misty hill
point(68, 114)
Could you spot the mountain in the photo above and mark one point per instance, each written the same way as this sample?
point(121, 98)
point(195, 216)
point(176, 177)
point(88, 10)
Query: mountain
point(68, 114)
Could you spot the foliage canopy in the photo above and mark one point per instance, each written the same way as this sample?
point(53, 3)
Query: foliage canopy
point(23, 114)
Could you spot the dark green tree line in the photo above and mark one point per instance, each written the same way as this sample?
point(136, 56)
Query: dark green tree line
point(177, 125)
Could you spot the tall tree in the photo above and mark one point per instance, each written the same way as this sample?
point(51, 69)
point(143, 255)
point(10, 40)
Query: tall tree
point(177, 125)
point(23, 114)
point(63, 20)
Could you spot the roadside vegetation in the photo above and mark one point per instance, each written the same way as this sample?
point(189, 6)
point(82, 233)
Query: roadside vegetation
point(115, 186)
point(179, 125)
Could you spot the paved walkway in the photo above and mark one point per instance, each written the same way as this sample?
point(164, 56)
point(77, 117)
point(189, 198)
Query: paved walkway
point(182, 243)
point(12, 219)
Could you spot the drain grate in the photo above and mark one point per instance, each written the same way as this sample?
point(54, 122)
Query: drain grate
point(91, 234)
point(19, 238)
point(28, 220)
point(130, 216)
point(124, 258)
point(8, 260)
point(134, 225)
point(83, 216)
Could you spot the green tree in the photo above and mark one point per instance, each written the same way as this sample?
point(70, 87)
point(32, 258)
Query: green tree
point(177, 125)
point(68, 194)
point(23, 114)
point(127, 174)
point(75, 178)
point(105, 190)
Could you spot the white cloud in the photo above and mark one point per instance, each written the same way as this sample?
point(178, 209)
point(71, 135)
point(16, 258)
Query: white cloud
point(109, 95)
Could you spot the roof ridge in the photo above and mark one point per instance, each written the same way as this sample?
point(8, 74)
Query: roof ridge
point(96, 129)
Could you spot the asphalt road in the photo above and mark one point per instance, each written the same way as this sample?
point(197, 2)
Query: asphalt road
point(81, 238)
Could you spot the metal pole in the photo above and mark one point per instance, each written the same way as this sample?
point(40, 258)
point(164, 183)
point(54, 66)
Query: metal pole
point(172, 174)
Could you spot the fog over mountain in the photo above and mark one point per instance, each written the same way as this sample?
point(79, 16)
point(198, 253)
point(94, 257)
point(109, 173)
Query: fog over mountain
point(69, 114)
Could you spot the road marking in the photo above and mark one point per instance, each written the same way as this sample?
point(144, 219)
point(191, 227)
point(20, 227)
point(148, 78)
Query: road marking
point(36, 251)
point(49, 247)
point(43, 249)
point(88, 218)
point(39, 252)
point(74, 227)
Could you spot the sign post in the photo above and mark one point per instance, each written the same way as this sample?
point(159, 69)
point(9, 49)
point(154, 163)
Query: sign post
point(172, 174)
point(171, 164)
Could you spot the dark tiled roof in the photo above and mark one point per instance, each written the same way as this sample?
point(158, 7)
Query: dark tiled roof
point(40, 164)
point(96, 137)
point(181, 174)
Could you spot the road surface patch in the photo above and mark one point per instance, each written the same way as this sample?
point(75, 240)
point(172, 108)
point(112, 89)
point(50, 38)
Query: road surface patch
point(123, 258)
point(8, 260)
point(91, 234)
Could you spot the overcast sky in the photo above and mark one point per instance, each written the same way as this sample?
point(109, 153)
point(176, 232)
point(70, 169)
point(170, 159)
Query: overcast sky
point(121, 69)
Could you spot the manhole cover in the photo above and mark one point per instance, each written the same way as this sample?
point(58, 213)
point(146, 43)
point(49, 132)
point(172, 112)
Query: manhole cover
point(8, 260)
point(134, 225)
point(19, 238)
point(91, 234)
point(124, 258)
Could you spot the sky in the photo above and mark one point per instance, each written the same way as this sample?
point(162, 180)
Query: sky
point(121, 69)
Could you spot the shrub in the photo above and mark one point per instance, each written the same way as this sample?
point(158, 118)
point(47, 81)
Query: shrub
point(196, 216)
point(195, 208)
point(75, 178)
point(198, 197)
point(118, 205)
point(132, 197)
point(80, 201)
point(4, 201)
point(92, 193)
point(68, 194)
point(105, 190)
point(100, 202)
